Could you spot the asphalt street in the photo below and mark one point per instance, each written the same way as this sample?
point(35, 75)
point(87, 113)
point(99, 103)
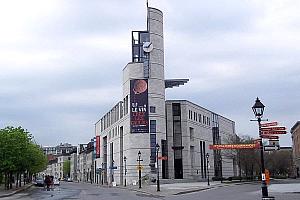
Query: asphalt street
point(90, 192)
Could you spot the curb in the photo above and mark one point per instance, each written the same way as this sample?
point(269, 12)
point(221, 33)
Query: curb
point(17, 191)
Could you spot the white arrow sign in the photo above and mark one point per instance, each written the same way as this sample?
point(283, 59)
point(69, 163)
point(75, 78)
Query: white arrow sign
point(271, 148)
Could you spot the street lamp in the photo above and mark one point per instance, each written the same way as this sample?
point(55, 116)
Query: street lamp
point(112, 171)
point(157, 149)
point(140, 169)
point(125, 159)
point(207, 161)
point(102, 174)
point(258, 110)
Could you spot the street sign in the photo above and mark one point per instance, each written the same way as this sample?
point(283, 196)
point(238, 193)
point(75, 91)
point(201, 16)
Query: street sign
point(273, 132)
point(270, 136)
point(275, 128)
point(269, 124)
point(162, 157)
point(271, 148)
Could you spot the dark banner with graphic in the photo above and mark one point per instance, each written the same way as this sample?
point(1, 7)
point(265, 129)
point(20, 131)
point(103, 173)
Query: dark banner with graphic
point(139, 115)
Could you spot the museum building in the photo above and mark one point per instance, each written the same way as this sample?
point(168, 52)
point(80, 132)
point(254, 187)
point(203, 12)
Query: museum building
point(144, 123)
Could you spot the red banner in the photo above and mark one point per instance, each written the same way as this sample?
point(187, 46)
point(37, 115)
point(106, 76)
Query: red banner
point(234, 146)
point(98, 146)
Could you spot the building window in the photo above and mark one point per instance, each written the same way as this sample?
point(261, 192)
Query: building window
point(190, 114)
point(192, 134)
point(152, 126)
point(152, 109)
point(204, 119)
point(199, 117)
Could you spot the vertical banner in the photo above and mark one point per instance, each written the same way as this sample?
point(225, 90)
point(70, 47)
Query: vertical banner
point(98, 146)
point(139, 115)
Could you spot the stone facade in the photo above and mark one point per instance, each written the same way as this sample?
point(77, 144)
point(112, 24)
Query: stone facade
point(295, 131)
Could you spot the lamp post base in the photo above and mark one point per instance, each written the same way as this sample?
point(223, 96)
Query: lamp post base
point(268, 198)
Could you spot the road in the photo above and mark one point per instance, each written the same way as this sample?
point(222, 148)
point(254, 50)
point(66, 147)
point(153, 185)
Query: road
point(90, 192)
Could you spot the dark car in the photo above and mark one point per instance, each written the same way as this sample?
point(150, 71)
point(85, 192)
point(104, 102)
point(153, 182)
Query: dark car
point(39, 182)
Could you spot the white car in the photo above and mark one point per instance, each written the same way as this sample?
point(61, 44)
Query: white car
point(56, 182)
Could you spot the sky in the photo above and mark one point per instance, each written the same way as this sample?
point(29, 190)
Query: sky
point(61, 61)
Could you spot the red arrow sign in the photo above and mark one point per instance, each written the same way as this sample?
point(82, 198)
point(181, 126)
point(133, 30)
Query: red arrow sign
point(276, 128)
point(162, 157)
point(270, 136)
point(269, 124)
point(272, 132)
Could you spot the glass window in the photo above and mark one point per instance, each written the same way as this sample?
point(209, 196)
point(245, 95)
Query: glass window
point(192, 135)
point(152, 109)
point(152, 126)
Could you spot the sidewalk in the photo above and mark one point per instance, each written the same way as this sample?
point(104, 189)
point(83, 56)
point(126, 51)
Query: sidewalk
point(14, 190)
point(173, 188)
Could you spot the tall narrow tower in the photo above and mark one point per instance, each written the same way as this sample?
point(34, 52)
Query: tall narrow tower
point(144, 93)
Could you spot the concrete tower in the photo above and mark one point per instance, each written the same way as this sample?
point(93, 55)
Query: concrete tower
point(147, 65)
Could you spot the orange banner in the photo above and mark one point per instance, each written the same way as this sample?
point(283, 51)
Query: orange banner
point(234, 146)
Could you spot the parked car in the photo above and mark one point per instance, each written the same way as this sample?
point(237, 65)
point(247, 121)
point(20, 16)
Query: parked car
point(56, 182)
point(39, 182)
point(69, 180)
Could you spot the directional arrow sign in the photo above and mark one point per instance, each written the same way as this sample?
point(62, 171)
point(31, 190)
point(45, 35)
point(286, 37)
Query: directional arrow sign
point(272, 132)
point(271, 148)
point(276, 128)
point(269, 124)
point(270, 136)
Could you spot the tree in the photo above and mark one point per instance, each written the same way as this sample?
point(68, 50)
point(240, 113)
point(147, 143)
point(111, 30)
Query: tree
point(248, 160)
point(279, 163)
point(19, 155)
point(67, 168)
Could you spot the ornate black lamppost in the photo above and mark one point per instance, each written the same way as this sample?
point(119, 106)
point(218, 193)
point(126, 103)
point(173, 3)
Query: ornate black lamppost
point(102, 174)
point(258, 109)
point(140, 169)
point(207, 161)
point(125, 159)
point(157, 149)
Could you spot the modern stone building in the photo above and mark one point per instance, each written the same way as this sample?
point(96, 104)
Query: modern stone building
point(295, 131)
point(144, 118)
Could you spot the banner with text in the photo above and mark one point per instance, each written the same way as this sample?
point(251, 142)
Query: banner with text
point(234, 146)
point(98, 146)
point(139, 115)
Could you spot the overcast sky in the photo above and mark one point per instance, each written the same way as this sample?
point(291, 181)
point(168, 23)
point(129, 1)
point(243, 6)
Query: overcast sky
point(61, 61)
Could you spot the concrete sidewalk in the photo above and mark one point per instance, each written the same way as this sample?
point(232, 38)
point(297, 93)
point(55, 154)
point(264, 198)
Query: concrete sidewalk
point(173, 188)
point(14, 190)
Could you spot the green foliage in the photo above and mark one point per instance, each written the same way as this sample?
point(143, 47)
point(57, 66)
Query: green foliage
point(18, 153)
point(67, 168)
